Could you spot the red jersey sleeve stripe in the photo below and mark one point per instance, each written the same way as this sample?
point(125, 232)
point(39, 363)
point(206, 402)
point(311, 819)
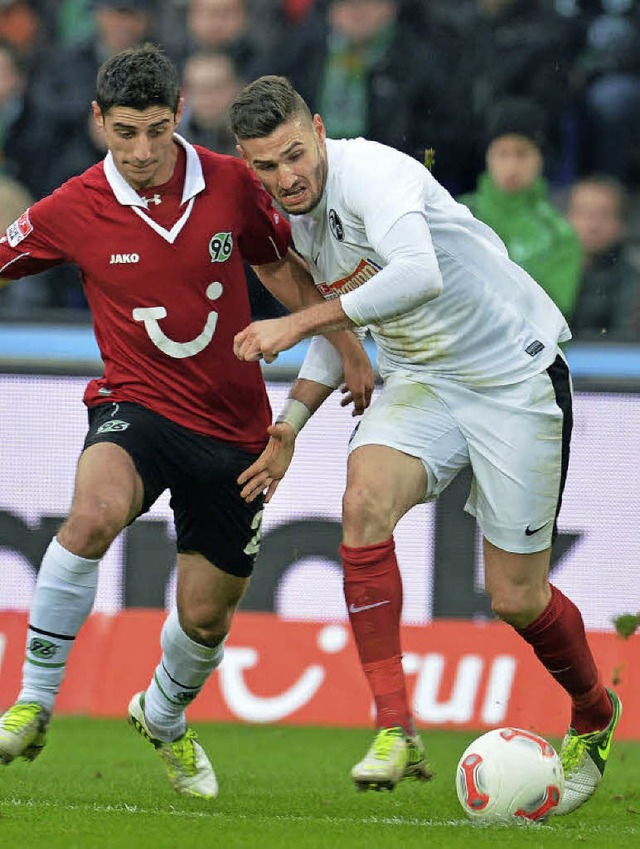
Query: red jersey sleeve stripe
point(11, 261)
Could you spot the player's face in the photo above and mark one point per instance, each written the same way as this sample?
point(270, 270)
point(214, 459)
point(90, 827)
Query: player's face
point(514, 162)
point(291, 163)
point(594, 211)
point(141, 142)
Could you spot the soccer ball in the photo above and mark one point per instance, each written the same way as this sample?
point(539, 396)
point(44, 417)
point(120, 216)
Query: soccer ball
point(509, 775)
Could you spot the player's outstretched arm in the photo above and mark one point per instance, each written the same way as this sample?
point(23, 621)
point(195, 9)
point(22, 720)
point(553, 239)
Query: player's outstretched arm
point(268, 338)
point(264, 475)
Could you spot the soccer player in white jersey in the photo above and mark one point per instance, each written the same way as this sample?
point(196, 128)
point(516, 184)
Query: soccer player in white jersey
point(159, 230)
point(473, 375)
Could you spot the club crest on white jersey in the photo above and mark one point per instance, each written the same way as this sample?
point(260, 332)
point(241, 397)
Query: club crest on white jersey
point(335, 225)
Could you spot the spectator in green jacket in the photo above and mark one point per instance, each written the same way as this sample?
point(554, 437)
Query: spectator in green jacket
point(512, 198)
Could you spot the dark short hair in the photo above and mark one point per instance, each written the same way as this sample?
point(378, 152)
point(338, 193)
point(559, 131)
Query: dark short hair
point(518, 116)
point(265, 104)
point(139, 77)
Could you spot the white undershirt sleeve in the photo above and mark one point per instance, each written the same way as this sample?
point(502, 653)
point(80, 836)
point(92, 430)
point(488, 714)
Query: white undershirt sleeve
point(410, 278)
point(322, 363)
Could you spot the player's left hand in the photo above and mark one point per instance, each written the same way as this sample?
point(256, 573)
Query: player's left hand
point(265, 339)
point(267, 471)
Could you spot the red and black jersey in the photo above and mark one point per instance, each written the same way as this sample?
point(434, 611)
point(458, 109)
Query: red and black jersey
point(163, 275)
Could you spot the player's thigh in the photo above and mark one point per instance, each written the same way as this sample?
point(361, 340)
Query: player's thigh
point(518, 438)
point(138, 443)
point(410, 418)
point(210, 517)
point(107, 482)
point(382, 483)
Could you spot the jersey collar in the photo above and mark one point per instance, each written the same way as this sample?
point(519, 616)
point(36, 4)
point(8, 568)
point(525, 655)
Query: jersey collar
point(127, 195)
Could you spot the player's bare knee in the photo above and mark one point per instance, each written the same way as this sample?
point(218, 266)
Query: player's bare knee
point(517, 609)
point(205, 636)
point(206, 625)
point(90, 530)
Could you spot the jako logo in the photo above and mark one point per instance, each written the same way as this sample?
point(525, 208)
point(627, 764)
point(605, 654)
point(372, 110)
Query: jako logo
point(116, 259)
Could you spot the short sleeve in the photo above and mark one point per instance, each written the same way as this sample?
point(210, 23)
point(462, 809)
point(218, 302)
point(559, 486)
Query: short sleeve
point(383, 185)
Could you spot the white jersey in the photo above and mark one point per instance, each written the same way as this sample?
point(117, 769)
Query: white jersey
point(491, 324)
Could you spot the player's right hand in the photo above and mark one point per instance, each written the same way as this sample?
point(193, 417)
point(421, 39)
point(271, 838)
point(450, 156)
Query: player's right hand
point(265, 339)
point(264, 475)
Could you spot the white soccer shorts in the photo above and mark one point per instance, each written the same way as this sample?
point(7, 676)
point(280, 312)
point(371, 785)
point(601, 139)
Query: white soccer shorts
point(516, 439)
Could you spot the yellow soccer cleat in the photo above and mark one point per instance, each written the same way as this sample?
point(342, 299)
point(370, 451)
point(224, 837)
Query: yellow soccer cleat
point(393, 756)
point(23, 732)
point(584, 758)
point(188, 767)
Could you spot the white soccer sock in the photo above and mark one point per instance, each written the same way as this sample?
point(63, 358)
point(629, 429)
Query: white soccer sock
point(64, 596)
point(179, 677)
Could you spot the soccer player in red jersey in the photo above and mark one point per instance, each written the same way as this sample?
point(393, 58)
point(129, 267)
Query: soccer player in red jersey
point(159, 230)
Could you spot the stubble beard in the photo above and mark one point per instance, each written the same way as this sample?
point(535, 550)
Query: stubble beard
point(320, 174)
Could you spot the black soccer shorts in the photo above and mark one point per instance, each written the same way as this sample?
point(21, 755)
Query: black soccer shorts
point(199, 471)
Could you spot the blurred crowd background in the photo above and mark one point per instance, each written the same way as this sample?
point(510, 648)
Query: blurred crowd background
point(530, 107)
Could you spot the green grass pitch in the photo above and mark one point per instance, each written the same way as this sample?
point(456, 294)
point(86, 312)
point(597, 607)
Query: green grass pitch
point(97, 785)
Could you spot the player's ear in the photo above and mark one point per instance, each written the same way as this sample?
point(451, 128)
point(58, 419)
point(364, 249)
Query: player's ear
point(243, 154)
point(97, 114)
point(319, 128)
point(179, 110)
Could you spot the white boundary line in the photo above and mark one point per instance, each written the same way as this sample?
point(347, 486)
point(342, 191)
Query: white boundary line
point(368, 820)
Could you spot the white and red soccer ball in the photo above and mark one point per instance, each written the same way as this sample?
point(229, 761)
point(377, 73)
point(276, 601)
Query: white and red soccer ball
point(509, 775)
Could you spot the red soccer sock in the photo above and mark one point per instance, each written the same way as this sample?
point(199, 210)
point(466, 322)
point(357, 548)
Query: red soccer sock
point(373, 593)
point(559, 641)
